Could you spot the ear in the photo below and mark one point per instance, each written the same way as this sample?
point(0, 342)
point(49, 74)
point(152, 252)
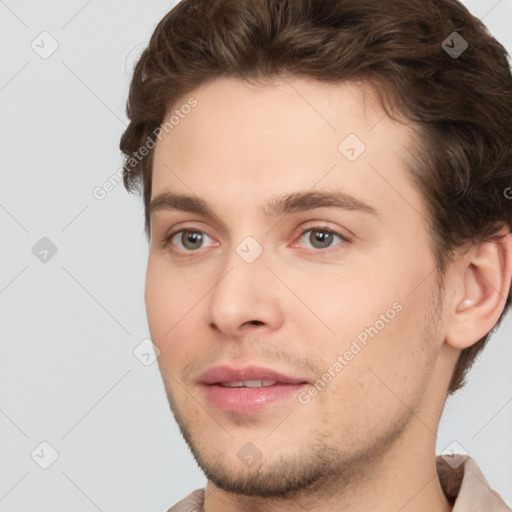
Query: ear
point(482, 282)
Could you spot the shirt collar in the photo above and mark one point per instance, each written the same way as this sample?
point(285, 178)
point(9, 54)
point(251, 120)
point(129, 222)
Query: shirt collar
point(465, 486)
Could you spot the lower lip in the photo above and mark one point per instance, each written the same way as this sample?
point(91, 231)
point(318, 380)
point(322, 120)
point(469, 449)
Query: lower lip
point(249, 400)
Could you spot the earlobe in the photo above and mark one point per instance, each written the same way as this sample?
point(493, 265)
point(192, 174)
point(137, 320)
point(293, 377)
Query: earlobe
point(484, 275)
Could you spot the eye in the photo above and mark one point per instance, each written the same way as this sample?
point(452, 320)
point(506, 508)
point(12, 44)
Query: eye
point(189, 240)
point(320, 237)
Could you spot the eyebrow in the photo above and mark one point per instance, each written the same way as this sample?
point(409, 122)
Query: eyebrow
point(290, 203)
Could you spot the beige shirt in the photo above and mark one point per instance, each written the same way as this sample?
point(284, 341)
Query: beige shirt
point(462, 481)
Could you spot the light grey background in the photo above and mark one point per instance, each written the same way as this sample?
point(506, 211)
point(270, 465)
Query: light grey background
point(68, 375)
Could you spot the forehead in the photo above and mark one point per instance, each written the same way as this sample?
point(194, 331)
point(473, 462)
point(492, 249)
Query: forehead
point(287, 116)
point(242, 141)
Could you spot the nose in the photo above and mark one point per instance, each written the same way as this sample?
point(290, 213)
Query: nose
point(245, 297)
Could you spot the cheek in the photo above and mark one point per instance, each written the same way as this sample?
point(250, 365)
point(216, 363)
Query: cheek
point(390, 362)
point(167, 302)
point(175, 305)
point(377, 378)
point(157, 296)
point(345, 299)
point(378, 314)
point(169, 294)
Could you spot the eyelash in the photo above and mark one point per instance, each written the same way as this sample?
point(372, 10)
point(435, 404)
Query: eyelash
point(344, 240)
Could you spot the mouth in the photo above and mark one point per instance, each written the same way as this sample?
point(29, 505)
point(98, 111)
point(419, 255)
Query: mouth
point(248, 390)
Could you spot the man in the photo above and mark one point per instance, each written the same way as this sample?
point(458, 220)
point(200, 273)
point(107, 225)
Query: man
point(325, 187)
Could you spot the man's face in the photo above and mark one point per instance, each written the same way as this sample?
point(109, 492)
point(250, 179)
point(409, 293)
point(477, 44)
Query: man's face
point(343, 297)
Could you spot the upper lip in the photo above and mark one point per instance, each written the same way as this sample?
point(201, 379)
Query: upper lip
point(219, 374)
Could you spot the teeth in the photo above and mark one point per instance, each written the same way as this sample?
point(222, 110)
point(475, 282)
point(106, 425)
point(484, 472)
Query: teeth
point(249, 383)
point(258, 383)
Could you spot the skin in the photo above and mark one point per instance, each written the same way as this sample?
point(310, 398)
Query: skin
point(367, 440)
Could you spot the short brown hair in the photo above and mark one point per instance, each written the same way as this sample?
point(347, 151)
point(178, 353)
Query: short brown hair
point(461, 103)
